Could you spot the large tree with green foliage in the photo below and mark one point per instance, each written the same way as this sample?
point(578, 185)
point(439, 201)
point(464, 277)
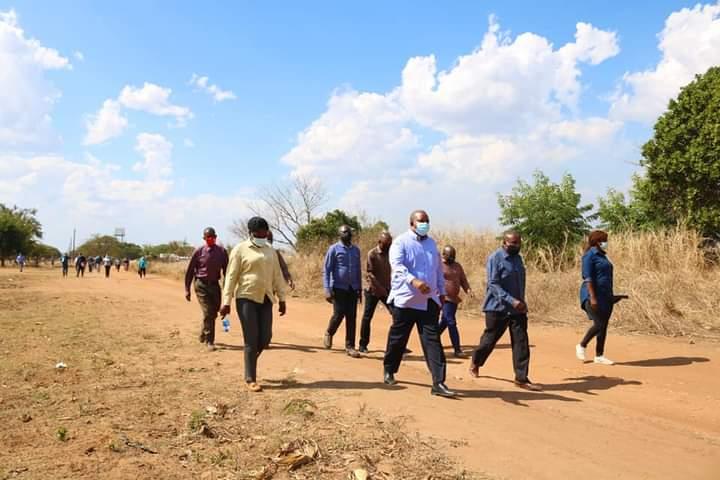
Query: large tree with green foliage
point(324, 229)
point(106, 244)
point(682, 159)
point(547, 214)
point(19, 229)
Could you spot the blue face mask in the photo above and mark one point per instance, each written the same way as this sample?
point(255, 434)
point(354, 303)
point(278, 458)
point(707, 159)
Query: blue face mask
point(260, 242)
point(422, 228)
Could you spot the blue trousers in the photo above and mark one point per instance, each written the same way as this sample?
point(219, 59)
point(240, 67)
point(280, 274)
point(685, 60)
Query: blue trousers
point(447, 321)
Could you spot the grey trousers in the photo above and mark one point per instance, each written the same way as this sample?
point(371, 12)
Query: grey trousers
point(256, 322)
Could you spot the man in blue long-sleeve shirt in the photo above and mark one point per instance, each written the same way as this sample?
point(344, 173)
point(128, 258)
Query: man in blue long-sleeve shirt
point(342, 283)
point(417, 292)
point(505, 307)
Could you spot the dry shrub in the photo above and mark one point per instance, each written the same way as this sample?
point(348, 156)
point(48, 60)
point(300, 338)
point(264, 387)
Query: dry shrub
point(672, 290)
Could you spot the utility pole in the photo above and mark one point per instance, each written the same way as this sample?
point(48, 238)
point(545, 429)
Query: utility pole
point(73, 244)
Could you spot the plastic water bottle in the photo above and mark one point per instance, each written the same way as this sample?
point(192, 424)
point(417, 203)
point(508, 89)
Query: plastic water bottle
point(226, 323)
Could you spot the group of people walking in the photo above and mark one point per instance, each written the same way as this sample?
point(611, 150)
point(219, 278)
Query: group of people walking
point(95, 262)
point(418, 284)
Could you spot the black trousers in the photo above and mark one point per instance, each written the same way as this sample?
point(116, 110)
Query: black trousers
point(600, 320)
point(107, 271)
point(371, 302)
point(256, 321)
point(427, 324)
point(208, 295)
point(344, 307)
point(495, 325)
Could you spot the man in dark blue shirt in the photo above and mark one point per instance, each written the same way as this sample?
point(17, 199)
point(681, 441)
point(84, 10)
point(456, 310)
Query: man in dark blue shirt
point(342, 283)
point(505, 307)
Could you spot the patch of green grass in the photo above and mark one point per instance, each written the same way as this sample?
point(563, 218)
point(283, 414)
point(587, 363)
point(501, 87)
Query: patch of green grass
point(197, 420)
point(62, 434)
point(300, 406)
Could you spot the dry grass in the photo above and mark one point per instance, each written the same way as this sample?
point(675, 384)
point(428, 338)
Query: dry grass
point(672, 290)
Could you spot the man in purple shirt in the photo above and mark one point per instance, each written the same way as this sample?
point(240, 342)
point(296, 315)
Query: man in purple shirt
point(342, 284)
point(205, 267)
point(416, 294)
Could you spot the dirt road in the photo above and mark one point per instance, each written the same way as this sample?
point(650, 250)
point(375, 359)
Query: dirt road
point(654, 415)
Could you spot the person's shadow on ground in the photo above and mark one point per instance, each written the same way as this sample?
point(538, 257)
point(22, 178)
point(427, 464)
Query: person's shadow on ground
point(664, 362)
point(584, 385)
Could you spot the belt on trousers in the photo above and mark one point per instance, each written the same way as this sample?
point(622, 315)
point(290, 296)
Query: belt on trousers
point(206, 282)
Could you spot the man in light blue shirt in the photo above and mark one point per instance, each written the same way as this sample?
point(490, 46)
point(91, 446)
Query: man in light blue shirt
point(417, 292)
point(342, 281)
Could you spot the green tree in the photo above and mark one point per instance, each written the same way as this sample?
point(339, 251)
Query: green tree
point(19, 229)
point(682, 159)
point(547, 214)
point(325, 229)
point(39, 251)
point(106, 244)
point(618, 214)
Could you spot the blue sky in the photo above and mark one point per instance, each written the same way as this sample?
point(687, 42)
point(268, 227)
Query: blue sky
point(393, 105)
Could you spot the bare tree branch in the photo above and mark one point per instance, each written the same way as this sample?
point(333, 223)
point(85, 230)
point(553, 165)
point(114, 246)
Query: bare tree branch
point(286, 207)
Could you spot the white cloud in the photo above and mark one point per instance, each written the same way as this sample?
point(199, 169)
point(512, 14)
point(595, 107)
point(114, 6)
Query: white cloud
point(107, 123)
point(689, 44)
point(505, 84)
point(188, 143)
point(79, 56)
point(157, 152)
point(357, 131)
point(450, 138)
point(26, 97)
point(218, 94)
point(110, 122)
point(153, 99)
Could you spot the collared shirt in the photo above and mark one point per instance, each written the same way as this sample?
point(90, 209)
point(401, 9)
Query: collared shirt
point(505, 282)
point(206, 263)
point(107, 261)
point(596, 268)
point(342, 268)
point(455, 279)
point(142, 263)
point(414, 257)
point(378, 272)
point(64, 260)
point(253, 273)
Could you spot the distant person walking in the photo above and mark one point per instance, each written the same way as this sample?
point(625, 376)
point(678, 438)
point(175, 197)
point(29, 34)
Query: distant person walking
point(107, 263)
point(142, 266)
point(206, 266)
point(126, 264)
point(455, 279)
point(254, 280)
point(505, 307)
point(416, 295)
point(80, 262)
point(117, 264)
point(283, 264)
point(20, 260)
point(596, 295)
point(65, 264)
point(377, 275)
point(91, 264)
point(98, 262)
point(342, 283)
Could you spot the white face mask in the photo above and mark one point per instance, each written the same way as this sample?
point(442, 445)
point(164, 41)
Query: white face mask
point(260, 242)
point(603, 246)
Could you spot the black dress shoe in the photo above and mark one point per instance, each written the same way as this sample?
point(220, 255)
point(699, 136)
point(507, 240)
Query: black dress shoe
point(389, 379)
point(441, 390)
point(363, 350)
point(528, 385)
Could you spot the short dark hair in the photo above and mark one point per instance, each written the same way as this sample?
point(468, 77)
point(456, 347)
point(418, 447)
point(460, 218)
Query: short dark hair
point(256, 224)
point(209, 232)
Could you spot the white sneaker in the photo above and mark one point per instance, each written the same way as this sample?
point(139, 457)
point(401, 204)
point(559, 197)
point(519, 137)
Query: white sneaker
point(604, 361)
point(580, 352)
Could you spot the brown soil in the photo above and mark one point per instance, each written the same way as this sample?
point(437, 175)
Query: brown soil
point(138, 382)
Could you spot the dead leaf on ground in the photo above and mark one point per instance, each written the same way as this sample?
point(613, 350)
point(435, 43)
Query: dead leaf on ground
point(297, 453)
